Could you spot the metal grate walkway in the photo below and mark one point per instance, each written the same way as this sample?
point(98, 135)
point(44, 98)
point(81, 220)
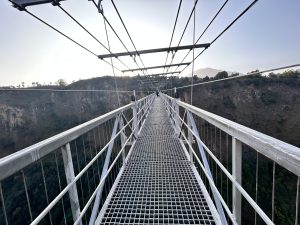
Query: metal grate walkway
point(158, 184)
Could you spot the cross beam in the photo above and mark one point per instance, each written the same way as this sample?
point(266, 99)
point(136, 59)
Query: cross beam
point(21, 4)
point(134, 53)
point(156, 67)
point(159, 74)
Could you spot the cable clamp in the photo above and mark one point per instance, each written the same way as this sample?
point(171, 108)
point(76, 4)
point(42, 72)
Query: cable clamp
point(100, 7)
point(173, 54)
point(55, 2)
point(18, 7)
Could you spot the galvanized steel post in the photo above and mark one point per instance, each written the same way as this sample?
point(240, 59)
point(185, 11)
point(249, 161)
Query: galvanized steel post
point(134, 114)
point(70, 176)
point(190, 136)
point(237, 175)
point(176, 108)
point(122, 137)
point(104, 172)
point(206, 166)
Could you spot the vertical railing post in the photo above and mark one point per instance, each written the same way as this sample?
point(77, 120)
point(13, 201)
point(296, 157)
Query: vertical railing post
point(134, 114)
point(70, 176)
point(176, 111)
point(190, 137)
point(123, 137)
point(104, 172)
point(206, 166)
point(237, 175)
point(172, 112)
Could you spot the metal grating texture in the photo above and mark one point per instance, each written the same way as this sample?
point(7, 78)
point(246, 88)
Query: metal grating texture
point(158, 185)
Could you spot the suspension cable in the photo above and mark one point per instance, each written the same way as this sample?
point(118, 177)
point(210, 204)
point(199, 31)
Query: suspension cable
point(186, 25)
point(114, 31)
point(106, 20)
point(112, 28)
point(204, 31)
point(194, 27)
point(127, 32)
point(178, 10)
point(227, 28)
point(76, 21)
point(69, 38)
point(65, 90)
point(111, 60)
point(66, 36)
point(60, 32)
point(236, 77)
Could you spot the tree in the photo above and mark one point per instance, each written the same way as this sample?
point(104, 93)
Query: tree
point(205, 79)
point(256, 73)
point(61, 83)
point(221, 75)
point(195, 78)
point(272, 75)
point(290, 74)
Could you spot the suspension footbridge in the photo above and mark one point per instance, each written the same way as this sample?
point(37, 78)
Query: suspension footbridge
point(156, 160)
point(159, 184)
point(160, 165)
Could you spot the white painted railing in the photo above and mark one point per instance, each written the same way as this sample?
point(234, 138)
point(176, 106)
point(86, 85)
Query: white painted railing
point(82, 161)
point(204, 134)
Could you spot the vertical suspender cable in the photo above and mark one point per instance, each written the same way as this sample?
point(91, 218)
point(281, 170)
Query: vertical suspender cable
point(3, 205)
point(179, 7)
point(113, 70)
point(214, 40)
point(186, 25)
point(45, 188)
point(203, 32)
point(297, 201)
point(100, 10)
point(273, 190)
point(119, 15)
point(256, 185)
point(27, 196)
point(193, 62)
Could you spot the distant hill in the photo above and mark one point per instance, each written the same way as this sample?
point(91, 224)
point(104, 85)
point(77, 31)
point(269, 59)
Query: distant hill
point(203, 72)
point(210, 72)
point(29, 117)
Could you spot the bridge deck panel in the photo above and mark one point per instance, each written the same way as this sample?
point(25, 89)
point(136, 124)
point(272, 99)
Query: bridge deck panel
point(158, 185)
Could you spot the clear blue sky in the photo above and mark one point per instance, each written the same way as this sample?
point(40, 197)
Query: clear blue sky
point(267, 36)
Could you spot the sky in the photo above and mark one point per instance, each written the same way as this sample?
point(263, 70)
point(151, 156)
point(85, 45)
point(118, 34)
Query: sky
point(267, 36)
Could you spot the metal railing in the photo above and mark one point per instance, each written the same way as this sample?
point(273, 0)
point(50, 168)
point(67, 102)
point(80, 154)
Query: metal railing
point(242, 169)
point(83, 162)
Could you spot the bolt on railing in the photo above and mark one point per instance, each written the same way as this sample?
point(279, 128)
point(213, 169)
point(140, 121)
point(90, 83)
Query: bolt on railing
point(83, 162)
point(221, 153)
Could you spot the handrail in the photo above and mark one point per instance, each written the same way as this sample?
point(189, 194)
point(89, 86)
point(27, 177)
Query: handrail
point(284, 154)
point(16, 161)
point(79, 175)
point(257, 209)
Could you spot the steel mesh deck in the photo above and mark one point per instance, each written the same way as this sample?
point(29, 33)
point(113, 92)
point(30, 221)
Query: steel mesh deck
point(158, 185)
